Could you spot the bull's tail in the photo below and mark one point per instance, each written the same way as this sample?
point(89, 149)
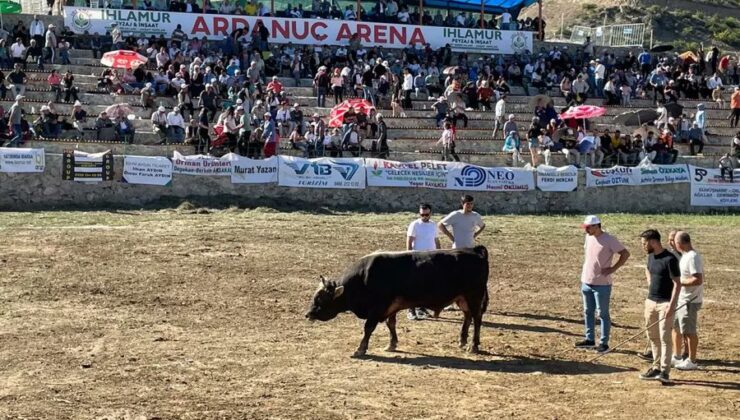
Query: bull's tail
point(483, 252)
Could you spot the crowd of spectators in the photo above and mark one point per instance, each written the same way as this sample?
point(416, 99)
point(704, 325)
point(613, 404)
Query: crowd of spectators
point(228, 81)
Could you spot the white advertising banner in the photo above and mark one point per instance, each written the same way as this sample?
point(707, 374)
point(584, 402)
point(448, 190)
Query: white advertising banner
point(200, 165)
point(253, 171)
point(478, 178)
point(562, 179)
point(321, 173)
point(709, 188)
point(147, 170)
point(650, 174)
point(297, 31)
point(421, 173)
point(22, 160)
point(609, 177)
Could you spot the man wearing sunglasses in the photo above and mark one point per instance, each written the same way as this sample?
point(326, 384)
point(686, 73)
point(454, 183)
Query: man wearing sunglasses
point(422, 236)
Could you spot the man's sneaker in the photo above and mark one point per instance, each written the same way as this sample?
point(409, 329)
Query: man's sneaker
point(686, 365)
point(684, 356)
point(675, 361)
point(585, 344)
point(646, 355)
point(412, 315)
point(664, 378)
point(651, 374)
point(422, 313)
point(602, 348)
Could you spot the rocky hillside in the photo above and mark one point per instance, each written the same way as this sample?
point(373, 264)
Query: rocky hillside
point(683, 23)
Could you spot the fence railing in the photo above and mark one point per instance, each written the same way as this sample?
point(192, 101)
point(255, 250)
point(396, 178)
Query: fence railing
point(627, 35)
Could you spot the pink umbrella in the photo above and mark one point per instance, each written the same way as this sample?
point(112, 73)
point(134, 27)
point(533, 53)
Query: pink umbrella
point(583, 112)
point(123, 59)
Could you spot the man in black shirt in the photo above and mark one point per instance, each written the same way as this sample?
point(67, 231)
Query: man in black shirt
point(664, 284)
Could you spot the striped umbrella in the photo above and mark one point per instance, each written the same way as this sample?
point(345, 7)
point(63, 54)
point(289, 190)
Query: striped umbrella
point(123, 59)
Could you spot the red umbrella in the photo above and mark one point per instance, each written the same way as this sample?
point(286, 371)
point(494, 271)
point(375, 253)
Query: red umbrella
point(360, 106)
point(123, 59)
point(583, 112)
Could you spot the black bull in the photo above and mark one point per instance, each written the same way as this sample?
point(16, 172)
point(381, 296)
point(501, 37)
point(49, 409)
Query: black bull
point(379, 285)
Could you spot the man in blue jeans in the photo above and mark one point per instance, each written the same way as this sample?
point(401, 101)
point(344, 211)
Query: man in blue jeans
point(596, 280)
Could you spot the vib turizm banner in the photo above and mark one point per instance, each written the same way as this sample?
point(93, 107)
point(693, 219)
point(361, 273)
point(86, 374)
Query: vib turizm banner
point(145, 23)
point(421, 173)
point(321, 173)
point(478, 178)
point(710, 188)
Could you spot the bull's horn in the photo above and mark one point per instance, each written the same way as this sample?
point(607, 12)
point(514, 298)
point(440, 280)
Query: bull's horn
point(323, 281)
point(338, 291)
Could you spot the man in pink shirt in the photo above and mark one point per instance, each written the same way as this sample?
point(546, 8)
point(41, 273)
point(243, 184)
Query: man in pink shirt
point(596, 280)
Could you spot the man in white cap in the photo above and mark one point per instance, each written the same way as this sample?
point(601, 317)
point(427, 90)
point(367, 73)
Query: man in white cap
point(15, 114)
point(50, 44)
point(175, 126)
point(147, 95)
point(159, 124)
point(79, 116)
point(596, 280)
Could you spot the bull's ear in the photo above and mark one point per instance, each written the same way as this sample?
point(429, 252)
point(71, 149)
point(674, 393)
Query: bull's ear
point(338, 291)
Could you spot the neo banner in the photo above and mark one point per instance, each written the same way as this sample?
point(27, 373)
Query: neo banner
point(321, 173)
point(478, 178)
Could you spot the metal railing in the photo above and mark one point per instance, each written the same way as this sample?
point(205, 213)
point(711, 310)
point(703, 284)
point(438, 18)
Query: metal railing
point(627, 35)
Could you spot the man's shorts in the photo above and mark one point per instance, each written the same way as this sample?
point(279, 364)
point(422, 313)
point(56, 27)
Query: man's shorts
point(686, 317)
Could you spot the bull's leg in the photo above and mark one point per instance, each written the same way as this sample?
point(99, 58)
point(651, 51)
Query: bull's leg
point(370, 325)
point(477, 321)
point(464, 330)
point(391, 323)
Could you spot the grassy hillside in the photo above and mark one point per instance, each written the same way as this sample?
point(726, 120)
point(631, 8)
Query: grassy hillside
point(682, 23)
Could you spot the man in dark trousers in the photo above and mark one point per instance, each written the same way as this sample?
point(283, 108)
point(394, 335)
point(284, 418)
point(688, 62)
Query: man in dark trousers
point(664, 286)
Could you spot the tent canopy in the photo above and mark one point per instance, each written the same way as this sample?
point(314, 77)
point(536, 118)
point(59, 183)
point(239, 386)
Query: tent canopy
point(491, 6)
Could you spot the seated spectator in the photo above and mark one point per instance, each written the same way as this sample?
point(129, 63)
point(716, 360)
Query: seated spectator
point(105, 128)
point(159, 124)
point(79, 117)
point(727, 164)
point(512, 145)
point(175, 126)
point(125, 130)
point(70, 90)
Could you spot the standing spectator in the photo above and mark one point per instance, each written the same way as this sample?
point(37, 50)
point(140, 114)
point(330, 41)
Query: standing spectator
point(55, 82)
point(269, 137)
point(421, 235)
point(447, 141)
point(596, 280)
point(380, 146)
point(664, 286)
point(321, 83)
point(408, 87)
point(735, 106)
point(466, 224)
point(14, 120)
point(689, 301)
point(500, 111)
point(204, 139)
point(700, 118)
point(37, 29)
point(50, 44)
point(441, 107)
point(117, 36)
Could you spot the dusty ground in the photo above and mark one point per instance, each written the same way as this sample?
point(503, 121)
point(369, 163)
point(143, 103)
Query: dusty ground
point(174, 315)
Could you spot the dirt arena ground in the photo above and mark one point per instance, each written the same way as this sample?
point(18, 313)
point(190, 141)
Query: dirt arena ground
point(200, 314)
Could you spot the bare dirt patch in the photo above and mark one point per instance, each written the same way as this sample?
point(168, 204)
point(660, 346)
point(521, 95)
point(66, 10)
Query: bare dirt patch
point(171, 315)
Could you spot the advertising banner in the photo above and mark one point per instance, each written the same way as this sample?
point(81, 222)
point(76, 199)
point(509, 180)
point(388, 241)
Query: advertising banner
point(709, 188)
point(87, 167)
point(478, 178)
point(649, 174)
point(298, 31)
point(562, 179)
point(22, 160)
point(200, 165)
point(147, 170)
point(609, 177)
point(421, 173)
point(321, 173)
point(253, 171)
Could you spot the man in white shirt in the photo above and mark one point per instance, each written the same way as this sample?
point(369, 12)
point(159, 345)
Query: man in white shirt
point(37, 30)
point(689, 302)
point(500, 109)
point(466, 225)
point(175, 126)
point(714, 82)
point(505, 20)
point(599, 75)
point(159, 124)
point(17, 50)
point(421, 235)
